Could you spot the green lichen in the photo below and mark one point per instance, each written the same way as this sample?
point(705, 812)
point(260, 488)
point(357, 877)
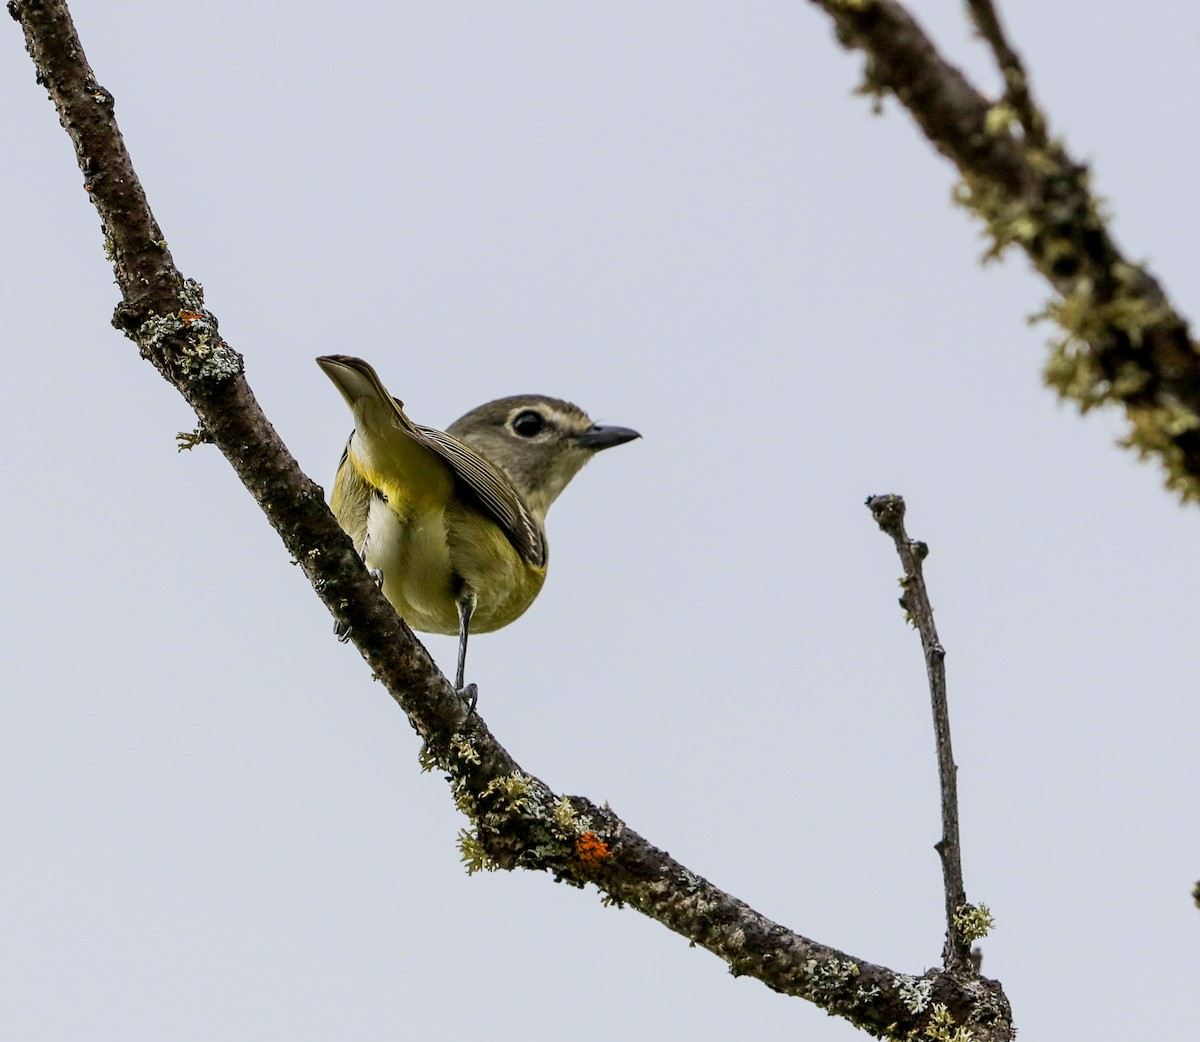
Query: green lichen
point(550, 828)
point(1076, 374)
point(974, 921)
point(1075, 371)
point(941, 1027)
point(188, 440)
point(464, 799)
point(566, 822)
point(1153, 433)
point(1104, 319)
point(1007, 221)
point(464, 750)
point(1050, 225)
point(473, 853)
point(1087, 318)
point(429, 760)
point(513, 790)
point(564, 815)
point(1000, 119)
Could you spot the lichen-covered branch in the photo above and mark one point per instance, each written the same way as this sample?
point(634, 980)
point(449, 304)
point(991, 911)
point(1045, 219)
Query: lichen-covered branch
point(1121, 341)
point(518, 822)
point(521, 823)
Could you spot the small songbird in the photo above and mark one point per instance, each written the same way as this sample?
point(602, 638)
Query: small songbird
point(453, 524)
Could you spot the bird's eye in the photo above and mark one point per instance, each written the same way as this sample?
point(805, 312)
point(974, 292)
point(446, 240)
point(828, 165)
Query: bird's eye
point(528, 423)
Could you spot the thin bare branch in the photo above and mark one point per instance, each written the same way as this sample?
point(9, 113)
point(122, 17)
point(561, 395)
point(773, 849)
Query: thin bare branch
point(519, 822)
point(1016, 91)
point(888, 512)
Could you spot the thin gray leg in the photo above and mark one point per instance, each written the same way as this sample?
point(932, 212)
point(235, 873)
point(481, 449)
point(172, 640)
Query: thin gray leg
point(466, 608)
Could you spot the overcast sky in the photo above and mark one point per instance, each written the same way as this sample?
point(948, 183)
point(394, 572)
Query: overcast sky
point(679, 216)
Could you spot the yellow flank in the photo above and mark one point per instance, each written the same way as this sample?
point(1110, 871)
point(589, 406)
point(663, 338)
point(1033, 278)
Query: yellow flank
point(391, 460)
point(505, 582)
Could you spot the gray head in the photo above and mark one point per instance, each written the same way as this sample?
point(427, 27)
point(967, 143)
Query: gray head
point(540, 443)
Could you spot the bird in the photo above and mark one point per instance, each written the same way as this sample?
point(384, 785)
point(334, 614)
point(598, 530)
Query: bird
point(452, 524)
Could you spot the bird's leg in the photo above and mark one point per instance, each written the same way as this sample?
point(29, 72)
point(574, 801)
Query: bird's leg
point(466, 607)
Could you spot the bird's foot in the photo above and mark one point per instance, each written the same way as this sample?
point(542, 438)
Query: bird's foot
point(470, 695)
point(374, 573)
point(342, 631)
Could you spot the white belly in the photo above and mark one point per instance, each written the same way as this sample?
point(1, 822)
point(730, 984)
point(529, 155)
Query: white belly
point(414, 558)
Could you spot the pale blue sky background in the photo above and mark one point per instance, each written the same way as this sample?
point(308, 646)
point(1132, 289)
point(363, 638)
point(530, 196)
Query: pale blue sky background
point(678, 216)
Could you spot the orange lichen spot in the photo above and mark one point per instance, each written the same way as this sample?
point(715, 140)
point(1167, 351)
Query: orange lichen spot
point(87, 186)
point(189, 316)
point(591, 849)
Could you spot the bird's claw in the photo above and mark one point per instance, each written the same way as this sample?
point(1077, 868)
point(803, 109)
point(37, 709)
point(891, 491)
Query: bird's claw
point(470, 695)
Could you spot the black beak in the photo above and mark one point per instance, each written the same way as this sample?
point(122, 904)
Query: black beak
point(597, 437)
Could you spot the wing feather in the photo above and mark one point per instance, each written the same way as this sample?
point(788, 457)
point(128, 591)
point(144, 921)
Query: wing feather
point(486, 487)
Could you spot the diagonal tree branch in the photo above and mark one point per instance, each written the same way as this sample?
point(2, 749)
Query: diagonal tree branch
point(1123, 342)
point(519, 821)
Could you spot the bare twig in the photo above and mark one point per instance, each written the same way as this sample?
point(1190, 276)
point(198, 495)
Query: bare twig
point(519, 822)
point(1122, 341)
point(888, 512)
point(987, 23)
